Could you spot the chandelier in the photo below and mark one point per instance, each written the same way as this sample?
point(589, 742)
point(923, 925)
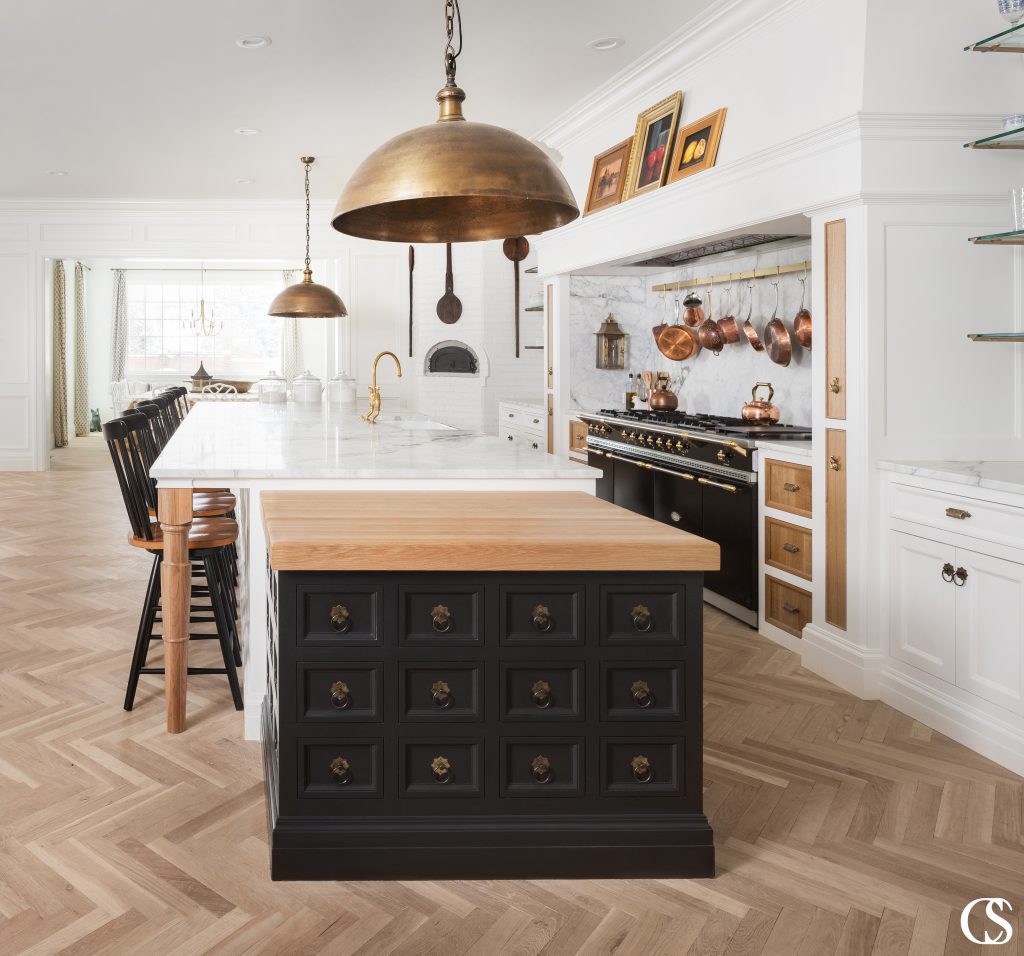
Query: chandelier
point(203, 324)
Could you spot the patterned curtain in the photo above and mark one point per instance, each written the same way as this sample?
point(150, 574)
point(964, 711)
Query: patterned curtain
point(292, 363)
point(60, 358)
point(81, 356)
point(119, 347)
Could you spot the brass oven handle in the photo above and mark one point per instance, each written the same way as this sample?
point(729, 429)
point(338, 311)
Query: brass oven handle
point(834, 386)
point(441, 693)
point(642, 621)
point(541, 693)
point(957, 513)
point(341, 696)
point(641, 693)
point(947, 572)
point(340, 619)
point(717, 484)
point(441, 619)
point(341, 770)
point(541, 768)
point(541, 619)
point(791, 548)
point(789, 486)
point(790, 608)
point(961, 577)
point(643, 772)
point(442, 769)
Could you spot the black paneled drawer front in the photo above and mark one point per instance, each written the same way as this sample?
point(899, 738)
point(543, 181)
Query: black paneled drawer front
point(641, 690)
point(339, 693)
point(340, 767)
point(541, 615)
point(542, 690)
point(440, 691)
point(542, 767)
point(342, 615)
point(444, 614)
point(441, 768)
point(641, 615)
point(641, 767)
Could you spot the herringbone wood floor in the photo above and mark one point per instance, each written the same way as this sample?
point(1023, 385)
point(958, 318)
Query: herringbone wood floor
point(842, 826)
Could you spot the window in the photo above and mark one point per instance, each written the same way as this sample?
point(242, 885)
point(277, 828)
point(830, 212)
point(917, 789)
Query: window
point(244, 340)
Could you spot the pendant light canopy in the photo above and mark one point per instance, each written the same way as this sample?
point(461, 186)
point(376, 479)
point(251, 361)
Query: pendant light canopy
point(307, 299)
point(454, 181)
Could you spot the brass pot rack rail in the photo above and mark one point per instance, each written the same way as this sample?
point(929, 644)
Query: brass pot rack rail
point(732, 277)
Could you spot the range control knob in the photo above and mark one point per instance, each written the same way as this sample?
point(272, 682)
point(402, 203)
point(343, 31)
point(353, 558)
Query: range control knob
point(683, 446)
point(650, 440)
point(631, 436)
point(659, 442)
point(723, 455)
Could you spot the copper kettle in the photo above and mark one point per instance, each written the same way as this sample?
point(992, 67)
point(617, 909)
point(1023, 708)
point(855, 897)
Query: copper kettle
point(761, 412)
point(663, 400)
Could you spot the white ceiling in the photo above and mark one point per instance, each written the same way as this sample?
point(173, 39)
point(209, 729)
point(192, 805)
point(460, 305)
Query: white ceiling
point(140, 100)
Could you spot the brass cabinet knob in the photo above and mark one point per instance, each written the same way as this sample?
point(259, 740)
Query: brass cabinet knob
point(441, 693)
point(947, 572)
point(541, 768)
point(641, 693)
point(541, 692)
point(791, 548)
point(833, 463)
point(834, 386)
point(643, 772)
point(960, 577)
point(340, 619)
point(441, 619)
point(541, 619)
point(642, 618)
point(789, 486)
point(790, 608)
point(957, 513)
point(341, 770)
point(441, 769)
point(341, 696)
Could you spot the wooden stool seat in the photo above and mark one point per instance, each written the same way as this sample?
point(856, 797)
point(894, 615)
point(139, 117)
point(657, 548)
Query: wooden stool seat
point(208, 506)
point(205, 533)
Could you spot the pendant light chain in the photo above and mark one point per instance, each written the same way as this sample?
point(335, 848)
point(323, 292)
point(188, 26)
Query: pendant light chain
point(307, 165)
point(452, 16)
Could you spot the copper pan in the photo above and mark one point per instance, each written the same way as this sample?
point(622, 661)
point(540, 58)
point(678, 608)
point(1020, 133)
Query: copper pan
point(802, 320)
point(777, 342)
point(730, 328)
point(676, 342)
point(748, 327)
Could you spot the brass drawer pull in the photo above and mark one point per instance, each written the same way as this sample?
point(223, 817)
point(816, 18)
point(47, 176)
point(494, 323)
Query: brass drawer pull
point(957, 513)
point(441, 769)
point(541, 692)
point(790, 608)
point(541, 768)
point(441, 619)
point(341, 770)
point(789, 486)
point(834, 386)
point(961, 577)
point(541, 619)
point(641, 693)
point(643, 772)
point(340, 619)
point(341, 696)
point(791, 548)
point(642, 621)
point(834, 463)
point(947, 572)
point(441, 693)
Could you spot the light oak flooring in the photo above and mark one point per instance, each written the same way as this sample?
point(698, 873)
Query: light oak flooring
point(842, 826)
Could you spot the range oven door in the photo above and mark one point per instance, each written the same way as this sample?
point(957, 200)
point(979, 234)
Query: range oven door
point(606, 483)
point(729, 517)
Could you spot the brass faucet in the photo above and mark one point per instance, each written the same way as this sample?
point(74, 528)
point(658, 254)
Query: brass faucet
point(371, 416)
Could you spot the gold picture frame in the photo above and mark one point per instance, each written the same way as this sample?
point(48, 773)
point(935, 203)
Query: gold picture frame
point(608, 177)
point(696, 146)
point(652, 146)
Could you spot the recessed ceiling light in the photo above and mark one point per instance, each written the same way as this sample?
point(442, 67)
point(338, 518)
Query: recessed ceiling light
point(606, 43)
point(247, 131)
point(58, 172)
point(245, 182)
point(253, 42)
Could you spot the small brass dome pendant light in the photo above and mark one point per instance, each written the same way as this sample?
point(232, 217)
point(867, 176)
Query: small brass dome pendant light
point(306, 299)
point(454, 181)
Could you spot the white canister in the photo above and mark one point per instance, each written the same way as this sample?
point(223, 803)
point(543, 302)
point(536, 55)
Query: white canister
point(307, 388)
point(272, 389)
point(341, 391)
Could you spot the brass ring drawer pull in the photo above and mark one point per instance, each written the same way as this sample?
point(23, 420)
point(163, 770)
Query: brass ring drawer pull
point(642, 618)
point(790, 608)
point(641, 693)
point(441, 619)
point(961, 577)
point(341, 696)
point(835, 387)
point(790, 548)
point(340, 619)
point(789, 486)
point(541, 768)
point(441, 769)
point(542, 695)
point(542, 620)
point(441, 693)
point(834, 463)
point(947, 572)
point(341, 770)
point(643, 772)
point(957, 513)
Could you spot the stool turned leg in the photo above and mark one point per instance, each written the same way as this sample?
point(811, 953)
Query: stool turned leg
point(175, 509)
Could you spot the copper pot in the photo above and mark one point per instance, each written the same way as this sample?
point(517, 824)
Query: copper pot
point(802, 320)
point(709, 334)
point(748, 327)
point(693, 311)
point(761, 412)
point(662, 400)
point(777, 342)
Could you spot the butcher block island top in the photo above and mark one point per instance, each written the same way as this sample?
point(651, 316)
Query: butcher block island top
point(471, 531)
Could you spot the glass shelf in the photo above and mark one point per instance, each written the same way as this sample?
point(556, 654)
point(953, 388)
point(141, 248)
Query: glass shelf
point(1006, 139)
point(1009, 41)
point(1015, 238)
point(997, 337)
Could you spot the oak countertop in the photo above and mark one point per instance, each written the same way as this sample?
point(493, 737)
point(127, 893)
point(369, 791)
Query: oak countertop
point(471, 531)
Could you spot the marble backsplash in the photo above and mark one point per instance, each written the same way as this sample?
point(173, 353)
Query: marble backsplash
point(714, 384)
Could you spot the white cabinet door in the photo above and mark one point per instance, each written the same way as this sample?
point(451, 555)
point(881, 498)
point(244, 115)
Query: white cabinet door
point(922, 618)
point(990, 629)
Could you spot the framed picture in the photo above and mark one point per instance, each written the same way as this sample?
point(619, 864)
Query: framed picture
point(652, 146)
point(696, 146)
point(608, 177)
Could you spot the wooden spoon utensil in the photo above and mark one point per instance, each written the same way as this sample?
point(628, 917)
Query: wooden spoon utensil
point(449, 308)
point(516, 249)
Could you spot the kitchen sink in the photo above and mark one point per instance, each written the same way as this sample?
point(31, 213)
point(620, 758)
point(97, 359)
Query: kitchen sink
point(414, 424)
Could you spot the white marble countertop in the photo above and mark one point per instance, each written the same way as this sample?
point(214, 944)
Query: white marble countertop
point(252, 441)
point(801, 449)
point(994, 475)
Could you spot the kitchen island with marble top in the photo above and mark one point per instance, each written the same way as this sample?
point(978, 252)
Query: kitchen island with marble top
point(253, 447)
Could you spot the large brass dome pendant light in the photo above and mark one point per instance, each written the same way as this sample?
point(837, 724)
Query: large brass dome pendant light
point(454, 181)
point(307, 299)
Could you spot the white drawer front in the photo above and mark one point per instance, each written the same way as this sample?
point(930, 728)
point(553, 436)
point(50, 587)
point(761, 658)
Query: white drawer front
point(521, 438)
point(527, 419)
point(987, 520)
